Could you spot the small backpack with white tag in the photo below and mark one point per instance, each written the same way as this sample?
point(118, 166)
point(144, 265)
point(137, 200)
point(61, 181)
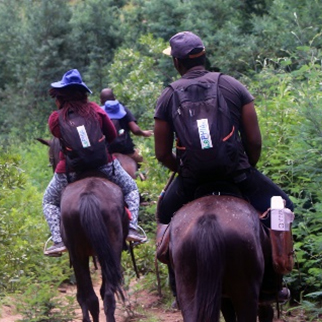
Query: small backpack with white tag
point(207, 142)
point(119, 144)
point(82, 141)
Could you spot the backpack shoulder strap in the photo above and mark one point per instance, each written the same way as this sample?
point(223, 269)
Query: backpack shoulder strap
point(210, 77)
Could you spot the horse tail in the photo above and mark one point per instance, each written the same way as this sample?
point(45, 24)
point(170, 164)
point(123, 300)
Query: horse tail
point(95, 229)
point(210, 258)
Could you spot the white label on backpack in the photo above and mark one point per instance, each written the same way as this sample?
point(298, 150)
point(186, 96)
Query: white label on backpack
point(204, 134)
point(83, 136)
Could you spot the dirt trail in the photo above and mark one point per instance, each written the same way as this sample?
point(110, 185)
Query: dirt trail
point(141, 306)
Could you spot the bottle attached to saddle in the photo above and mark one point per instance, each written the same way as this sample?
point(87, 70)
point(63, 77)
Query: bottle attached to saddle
point(281, 236)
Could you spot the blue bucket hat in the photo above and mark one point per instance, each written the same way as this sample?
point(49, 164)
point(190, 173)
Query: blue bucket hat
point(114, 109)
point(72, 77)
point(184, 45)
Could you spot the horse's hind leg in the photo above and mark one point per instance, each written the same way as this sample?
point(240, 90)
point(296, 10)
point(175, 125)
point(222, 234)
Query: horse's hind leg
point(227, 310)
point(108, 298)
point(185, 296)
point(245, 302)
point(244, 286)
point(86, 296)
point(172, 281)
point(265, 313)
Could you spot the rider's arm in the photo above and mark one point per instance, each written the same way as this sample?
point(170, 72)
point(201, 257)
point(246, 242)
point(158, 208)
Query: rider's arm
point(251, 135)
point(136, 130)
point(53, 124)
point(163, 143)
point(132, 125)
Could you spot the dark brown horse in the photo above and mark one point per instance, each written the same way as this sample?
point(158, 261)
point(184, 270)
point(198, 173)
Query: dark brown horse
point(219, 252)
point(129, 165)
point(94, 223)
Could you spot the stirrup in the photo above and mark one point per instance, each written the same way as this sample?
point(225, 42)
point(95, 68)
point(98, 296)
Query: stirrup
point(142, 176)
point(45, 248)
point(145, 236)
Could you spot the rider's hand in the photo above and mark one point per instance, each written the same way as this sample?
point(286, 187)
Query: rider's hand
point(147, 133)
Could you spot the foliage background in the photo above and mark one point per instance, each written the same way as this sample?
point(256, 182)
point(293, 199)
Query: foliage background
point(272, 46)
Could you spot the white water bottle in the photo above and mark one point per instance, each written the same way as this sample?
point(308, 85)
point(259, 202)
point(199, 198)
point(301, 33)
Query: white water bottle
point(281, 217)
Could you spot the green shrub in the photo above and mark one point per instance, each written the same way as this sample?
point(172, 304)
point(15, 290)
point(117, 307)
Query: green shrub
point(41, 300)
point(23, 232)
point(289, 109)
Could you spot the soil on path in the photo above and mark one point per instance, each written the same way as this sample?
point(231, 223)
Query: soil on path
point(141, 306)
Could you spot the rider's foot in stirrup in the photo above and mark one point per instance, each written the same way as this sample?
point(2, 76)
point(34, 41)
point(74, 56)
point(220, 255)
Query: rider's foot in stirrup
point(56, 250)
point(135, 236)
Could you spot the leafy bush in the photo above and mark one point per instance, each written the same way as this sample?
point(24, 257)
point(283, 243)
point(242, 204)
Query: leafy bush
point(135, 78)
point(289, 107)
point(23, 232)
point(41, 300)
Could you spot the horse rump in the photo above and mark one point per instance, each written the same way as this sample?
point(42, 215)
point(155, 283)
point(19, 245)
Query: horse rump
point(216, 253)
point(93, 224)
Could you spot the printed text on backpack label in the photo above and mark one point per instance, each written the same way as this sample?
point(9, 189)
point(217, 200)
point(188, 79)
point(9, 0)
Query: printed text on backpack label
point(204, 134)
point(83, 136)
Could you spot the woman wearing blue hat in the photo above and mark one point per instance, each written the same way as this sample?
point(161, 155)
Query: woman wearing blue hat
point(71, 95)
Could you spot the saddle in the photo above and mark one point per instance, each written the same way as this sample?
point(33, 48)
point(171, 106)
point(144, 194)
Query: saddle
point(163, 235)
point(162, 243)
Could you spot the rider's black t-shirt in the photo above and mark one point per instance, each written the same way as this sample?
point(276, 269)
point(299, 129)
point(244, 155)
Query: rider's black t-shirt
point(123, 143)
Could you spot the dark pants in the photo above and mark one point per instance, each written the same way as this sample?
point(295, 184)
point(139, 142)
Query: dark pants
point(255, 187)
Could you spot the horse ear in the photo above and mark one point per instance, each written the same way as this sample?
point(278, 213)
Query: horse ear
point(43, 141)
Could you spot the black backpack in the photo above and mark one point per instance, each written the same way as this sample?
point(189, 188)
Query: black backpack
point(119, 144)
point(82, 141)
point(207, 143)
